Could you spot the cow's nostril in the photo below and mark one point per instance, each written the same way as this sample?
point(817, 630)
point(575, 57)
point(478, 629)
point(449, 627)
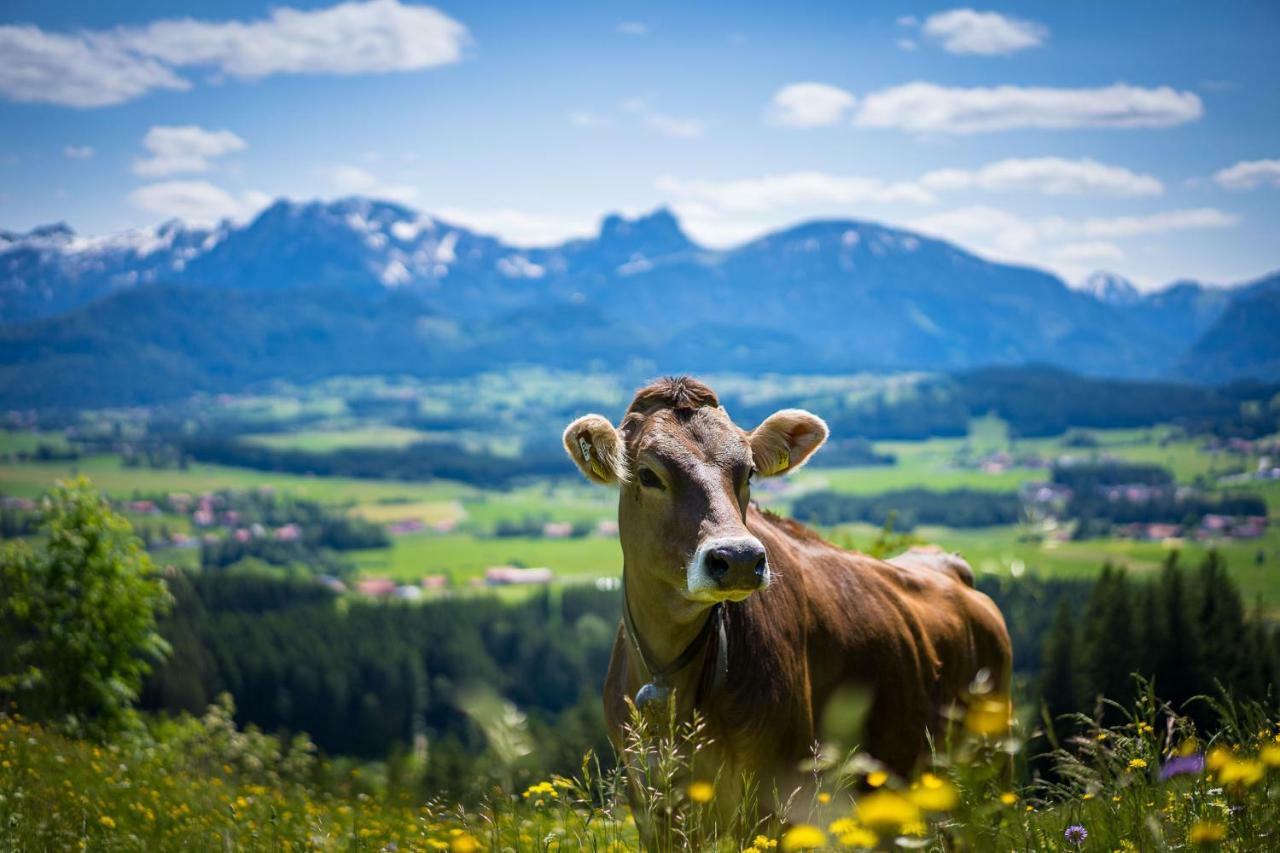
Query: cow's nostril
point(762, 567)
point(717, 565)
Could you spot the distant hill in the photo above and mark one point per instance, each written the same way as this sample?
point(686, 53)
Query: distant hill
point(1244, 342)
point(359, 286)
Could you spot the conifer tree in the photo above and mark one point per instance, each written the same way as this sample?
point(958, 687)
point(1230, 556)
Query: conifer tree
point(1060, 680)
point(1110, 641)
point(1221, 623)
point(1179, 667)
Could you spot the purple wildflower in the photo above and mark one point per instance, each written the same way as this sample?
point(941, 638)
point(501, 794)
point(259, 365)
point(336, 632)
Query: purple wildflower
point(1076, 834)
point(1181, 765)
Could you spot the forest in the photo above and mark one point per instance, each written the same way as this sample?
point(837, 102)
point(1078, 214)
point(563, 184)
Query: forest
point(907, 508)
point(370, 679)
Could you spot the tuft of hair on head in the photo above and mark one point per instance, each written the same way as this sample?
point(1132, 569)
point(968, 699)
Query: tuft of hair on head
point(682, 393)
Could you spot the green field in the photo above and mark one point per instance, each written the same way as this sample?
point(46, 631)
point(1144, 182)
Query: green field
point(29, 479)
point(322, 441)
point(27, 441)
point(462, 556)
point(940, 463)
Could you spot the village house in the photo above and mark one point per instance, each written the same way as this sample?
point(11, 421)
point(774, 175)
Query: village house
point(405, 527)
point(513, 575)
point(557, 530)
point(376, 587)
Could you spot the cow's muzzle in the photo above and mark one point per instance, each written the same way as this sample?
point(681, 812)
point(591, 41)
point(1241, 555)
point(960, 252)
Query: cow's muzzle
point(730, 567)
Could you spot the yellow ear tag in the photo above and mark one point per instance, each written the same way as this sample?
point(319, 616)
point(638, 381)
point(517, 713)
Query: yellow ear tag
point(784, 462)
point(595, 466)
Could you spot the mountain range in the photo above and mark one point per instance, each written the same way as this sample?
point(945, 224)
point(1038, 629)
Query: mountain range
point(307, 290)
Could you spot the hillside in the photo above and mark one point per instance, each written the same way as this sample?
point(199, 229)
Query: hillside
point(1245, 340)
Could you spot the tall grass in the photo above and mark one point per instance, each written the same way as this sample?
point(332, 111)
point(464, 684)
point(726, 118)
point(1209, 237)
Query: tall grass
point(1150, 782)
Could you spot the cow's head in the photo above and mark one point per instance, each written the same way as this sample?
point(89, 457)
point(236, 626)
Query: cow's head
point(684, 470)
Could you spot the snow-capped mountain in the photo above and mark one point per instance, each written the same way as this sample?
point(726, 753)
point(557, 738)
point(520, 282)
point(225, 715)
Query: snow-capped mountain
point(357, 285)
point(1111, 288)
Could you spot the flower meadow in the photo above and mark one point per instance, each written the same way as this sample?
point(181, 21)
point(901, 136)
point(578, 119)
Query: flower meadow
point(1148, 781)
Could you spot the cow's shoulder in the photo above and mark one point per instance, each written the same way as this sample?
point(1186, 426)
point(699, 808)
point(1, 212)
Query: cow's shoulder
point(933, 558)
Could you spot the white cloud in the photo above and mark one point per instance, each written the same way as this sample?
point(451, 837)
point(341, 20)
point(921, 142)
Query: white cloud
point(95, 68)
point(988, 228)
point(1249, 175)
point(197, 202)
point(1089, 253)
point(1134, 226)
point(1048, 175)
point(184, 148)
point(928, 108)
point(1072, 246)
point(353, 180)
point(519, 227)
point(811, 105)
point(633, 28)
point(584, 118)
point(676, 127)
point(710, 226)
point(985, 33)
point(79, 152)
point(908, 21)
point(793, 189)
point(78, 70)
point(907, 44)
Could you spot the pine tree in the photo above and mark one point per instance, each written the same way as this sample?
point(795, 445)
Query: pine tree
point(1221, 623)
point(1110, 641)
point(1179, 667)
point(1060, 680)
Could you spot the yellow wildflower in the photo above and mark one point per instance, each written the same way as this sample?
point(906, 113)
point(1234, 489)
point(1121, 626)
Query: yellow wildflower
point(107, 822)
point(1009, 798)
point(540, 790)
point(876, 778)
point(1137, 764)
point(824, 797)
point(1206, 832)
point(933, 794)
point(701, 792)
point(886, 810)
point(764, 842)
point(1270, 755)
point(803, 836)
point(988, 716)
point(1217, 758)
point(1241, 772)
point(463, 843)
point(857, 836)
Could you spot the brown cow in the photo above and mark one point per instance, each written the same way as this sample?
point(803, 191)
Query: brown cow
point(753, 619)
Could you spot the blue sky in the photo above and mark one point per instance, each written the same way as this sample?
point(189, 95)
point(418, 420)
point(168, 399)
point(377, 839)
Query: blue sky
point(1138, 138)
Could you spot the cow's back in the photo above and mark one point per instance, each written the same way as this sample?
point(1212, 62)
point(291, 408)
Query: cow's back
point(912, 631)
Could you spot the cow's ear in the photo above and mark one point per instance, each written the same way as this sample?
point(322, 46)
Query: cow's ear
point(786, 440)
point(597, 448)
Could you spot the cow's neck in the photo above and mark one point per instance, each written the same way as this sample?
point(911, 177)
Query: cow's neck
point(666, 621)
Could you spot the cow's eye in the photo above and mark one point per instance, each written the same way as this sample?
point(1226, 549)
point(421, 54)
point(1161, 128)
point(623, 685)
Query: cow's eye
point(649, 480)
